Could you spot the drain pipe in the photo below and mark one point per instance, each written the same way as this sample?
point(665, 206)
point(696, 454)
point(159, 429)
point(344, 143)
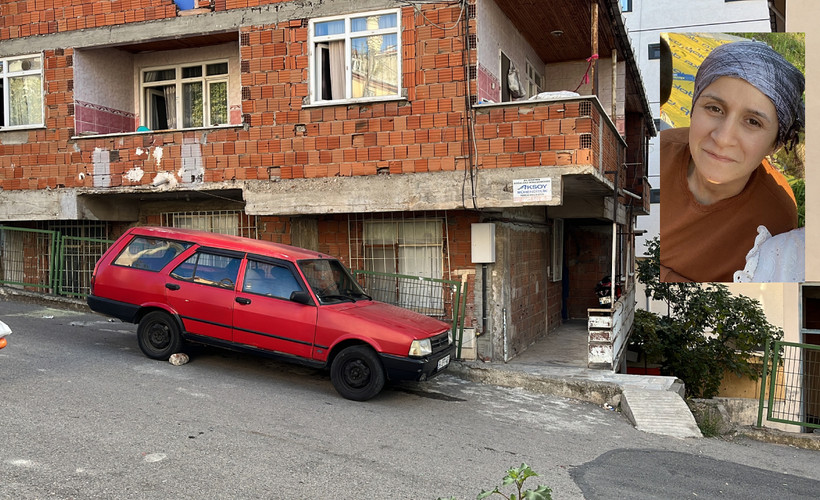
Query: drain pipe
point(484, 318)
point(504, 330)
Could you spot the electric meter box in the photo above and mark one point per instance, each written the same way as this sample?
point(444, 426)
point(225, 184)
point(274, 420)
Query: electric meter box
point(482, 243)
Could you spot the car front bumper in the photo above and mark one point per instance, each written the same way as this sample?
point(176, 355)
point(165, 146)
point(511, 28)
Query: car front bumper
point(417, 369)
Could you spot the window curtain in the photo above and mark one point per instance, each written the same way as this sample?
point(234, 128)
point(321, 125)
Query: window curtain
point(26, 100)
point(170, 92)
point(337, 69)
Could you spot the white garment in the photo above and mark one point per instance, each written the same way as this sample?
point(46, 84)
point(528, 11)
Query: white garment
point(780, 258)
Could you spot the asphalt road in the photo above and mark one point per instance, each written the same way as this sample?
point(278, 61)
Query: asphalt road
point(83, 414)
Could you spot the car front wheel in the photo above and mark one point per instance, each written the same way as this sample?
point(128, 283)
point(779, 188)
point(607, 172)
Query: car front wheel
point(158, 335)
point(357, 373)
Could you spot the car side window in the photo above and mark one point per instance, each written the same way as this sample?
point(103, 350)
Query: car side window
point(150, 254)
point(269, 279)
point(208, 269)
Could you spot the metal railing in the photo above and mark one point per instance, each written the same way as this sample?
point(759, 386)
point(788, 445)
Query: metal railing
point(76, 259)
point(442, 299)
point(28, 258)
point(792, 395)
point(46, 261)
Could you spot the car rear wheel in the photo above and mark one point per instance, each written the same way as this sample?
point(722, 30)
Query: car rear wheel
point(357, 373)
point(158, 335)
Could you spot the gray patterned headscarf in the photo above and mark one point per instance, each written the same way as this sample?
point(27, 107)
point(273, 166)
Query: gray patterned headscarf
point(769, 73)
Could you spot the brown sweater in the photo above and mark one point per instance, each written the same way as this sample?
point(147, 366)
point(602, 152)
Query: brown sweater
point(710, 242)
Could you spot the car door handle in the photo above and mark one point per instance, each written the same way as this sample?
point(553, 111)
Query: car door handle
point(172, 286)
point(243, 301)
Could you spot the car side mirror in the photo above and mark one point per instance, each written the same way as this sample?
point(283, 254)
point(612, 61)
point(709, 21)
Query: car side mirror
point(301, 297)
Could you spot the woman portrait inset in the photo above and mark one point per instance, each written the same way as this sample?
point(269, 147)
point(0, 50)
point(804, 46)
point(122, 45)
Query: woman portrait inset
point(717, 187)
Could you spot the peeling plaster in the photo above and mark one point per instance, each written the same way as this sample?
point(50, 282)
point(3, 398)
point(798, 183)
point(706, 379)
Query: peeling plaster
point(157, 155)
point(135, 174)
point(165, 181)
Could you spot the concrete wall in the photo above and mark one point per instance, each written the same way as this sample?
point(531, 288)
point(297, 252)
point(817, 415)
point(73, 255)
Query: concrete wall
point(496, 34)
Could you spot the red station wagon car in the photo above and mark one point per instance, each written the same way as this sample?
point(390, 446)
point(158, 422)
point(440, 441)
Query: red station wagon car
point(271, 299)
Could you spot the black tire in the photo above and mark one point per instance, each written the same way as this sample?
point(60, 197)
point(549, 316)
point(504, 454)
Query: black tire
point(357, 373)
point(158, 335)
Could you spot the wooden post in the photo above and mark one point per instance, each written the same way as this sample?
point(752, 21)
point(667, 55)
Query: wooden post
point(594, 43)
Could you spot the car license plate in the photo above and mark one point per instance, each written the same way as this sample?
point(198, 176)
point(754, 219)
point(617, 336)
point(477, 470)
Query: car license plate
point(443, 362)
point(605, 300)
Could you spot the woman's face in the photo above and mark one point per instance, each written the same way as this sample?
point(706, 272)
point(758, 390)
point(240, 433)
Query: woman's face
point(733, 126)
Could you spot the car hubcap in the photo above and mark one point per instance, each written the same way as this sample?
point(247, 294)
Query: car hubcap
point(357, 373)
point(158, 335)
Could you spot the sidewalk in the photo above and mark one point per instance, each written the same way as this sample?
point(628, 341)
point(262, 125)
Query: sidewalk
point(556, 364)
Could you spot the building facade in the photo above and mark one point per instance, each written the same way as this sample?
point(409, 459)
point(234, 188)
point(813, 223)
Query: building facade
point(373, 130)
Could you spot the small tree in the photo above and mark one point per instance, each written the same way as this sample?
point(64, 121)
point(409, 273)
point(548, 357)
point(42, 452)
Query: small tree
point(705, 332)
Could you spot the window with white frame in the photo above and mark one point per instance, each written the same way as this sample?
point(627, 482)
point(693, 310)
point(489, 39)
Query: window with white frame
point(185, 96)
point(21, 86)
point(535, 80)
point(356, 57)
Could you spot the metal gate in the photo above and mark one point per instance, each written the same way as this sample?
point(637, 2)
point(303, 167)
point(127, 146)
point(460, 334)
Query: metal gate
point(438, 298)
point(792, 394)
point(28, 258)
point(76, 260)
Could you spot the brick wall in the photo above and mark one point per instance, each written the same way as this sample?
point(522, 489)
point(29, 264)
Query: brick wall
point(588, 257)
point(535, 135)
point(528, 262)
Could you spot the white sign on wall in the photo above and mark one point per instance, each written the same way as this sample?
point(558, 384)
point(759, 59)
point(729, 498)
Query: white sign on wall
point(525, 190)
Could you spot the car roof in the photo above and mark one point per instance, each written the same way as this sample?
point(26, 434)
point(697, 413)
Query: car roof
point(228, 242)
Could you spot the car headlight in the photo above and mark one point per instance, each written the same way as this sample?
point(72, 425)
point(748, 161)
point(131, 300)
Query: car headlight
point(420, 348)
point(449, 337)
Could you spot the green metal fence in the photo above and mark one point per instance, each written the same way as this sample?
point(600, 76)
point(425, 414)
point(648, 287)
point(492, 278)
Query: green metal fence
point(442, 299)
point(792, 394)
point(28, 258)
point(48, 262)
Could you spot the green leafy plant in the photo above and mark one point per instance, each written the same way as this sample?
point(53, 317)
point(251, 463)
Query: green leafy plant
point(516, 476)
point(705, 332)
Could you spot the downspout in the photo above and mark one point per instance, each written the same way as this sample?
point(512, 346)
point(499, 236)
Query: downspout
point(504, 330)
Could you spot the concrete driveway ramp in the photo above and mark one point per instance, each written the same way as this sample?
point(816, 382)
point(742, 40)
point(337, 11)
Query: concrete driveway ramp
point(659, 412)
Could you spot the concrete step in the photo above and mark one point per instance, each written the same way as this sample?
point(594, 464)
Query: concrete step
point(659, 412)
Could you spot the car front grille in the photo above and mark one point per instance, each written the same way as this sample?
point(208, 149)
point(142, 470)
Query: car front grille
point(439, 342)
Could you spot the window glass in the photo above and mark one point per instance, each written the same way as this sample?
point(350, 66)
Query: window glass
point(192, 105)
point(217, 69)
point(21, 91)
point(330, 281)
point(159, 75)
point(374, 68)
point(186, 96)
point(218, 95)
point(336, 27)
point(371, 23)
point(209, 269)
point(192, 72)
point(150, 254)
point(269, 279)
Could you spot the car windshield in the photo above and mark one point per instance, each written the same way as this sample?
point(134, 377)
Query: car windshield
point(331, 282)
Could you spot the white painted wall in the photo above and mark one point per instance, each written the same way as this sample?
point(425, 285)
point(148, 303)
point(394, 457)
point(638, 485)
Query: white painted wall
point(105, 77)
point(647, 20)
point(496, 33)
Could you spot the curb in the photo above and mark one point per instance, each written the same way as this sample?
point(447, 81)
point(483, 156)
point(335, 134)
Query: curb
point(599, 393)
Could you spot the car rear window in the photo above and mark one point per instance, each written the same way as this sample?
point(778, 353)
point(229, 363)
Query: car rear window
point(150, 254)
